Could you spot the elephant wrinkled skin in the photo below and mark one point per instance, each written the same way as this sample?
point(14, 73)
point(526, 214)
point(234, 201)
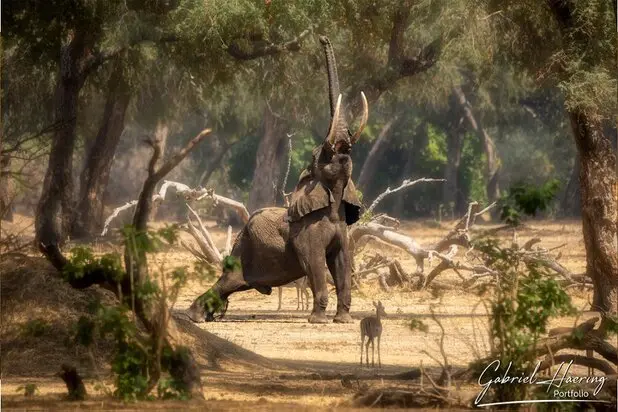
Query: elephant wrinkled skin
point(278, 245)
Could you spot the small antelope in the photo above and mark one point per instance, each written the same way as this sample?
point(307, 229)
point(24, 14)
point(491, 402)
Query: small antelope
point(371, 326)
point(301, 286)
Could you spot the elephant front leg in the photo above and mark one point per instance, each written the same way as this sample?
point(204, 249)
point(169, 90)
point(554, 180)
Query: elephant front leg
point(339, 266)
point(205, 306)
point(317, 281)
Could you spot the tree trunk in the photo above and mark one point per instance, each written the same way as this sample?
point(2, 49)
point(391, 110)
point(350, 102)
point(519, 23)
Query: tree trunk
point(161, 134)
point(571, 201)
point(7, 189)
point(53, 215)
point(599, 203)
point(492, 168)
point(368, 170)
point(450, 191)
point(214, 164)
point(267, 164)
point(95, 175)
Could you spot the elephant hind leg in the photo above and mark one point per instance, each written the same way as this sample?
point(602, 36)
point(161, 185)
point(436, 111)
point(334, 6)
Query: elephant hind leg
point(204, 307)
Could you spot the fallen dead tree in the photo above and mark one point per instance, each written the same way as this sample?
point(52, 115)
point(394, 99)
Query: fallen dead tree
point(189, 195)
point(385, 229)
point(469, 266)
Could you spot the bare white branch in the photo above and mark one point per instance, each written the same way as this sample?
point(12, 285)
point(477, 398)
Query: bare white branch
point(404, 185)
point(228, 242)
point(203, 237)
point(487, 209)
point(188, 195)
point(237, 206)
point(115, 213)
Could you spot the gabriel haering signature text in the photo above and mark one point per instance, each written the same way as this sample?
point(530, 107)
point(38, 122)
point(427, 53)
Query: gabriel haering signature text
point(561, 377)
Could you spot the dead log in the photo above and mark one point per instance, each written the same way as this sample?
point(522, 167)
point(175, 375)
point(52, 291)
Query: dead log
point(593, 363)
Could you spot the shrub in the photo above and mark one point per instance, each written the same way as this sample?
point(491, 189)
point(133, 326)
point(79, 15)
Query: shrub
point(525, 299)
point(527, 199)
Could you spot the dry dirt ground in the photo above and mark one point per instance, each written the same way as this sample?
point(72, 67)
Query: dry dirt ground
point(302, 352)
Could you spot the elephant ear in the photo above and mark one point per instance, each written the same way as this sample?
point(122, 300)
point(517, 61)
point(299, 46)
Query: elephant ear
point(352, 203)
point(310, 195)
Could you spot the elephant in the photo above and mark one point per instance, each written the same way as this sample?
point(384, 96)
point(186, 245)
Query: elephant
point(279, 245)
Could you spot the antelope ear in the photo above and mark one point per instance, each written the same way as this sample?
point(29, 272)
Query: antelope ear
point(352, 203)
point(310, 195)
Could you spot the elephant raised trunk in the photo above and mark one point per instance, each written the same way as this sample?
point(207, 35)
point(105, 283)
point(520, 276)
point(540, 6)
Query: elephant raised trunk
point(333, 78)
point(339, 130)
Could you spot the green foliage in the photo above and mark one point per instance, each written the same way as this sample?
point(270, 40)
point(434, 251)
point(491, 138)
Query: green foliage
point(200, 76)
point(211, 302)
point(435, 151)
point(525, 299)
point(83, 261)
point(169, 233)
point(527, 199)
point(611, 324)
point(147, 290)
point(84, 331)
point(203, 270)
point(35, 328)
point(542, 393)
point(231, 263)
point(303, 144)
point(418, 325)
point(130, 365)
point(135, 360)
point(243, 154)
point(575, 49)
point(173, 388)
point(359, 194)
point(241, 169)
point(471, 176)
point(365, 217)
point(29, 389)
point(167, 388)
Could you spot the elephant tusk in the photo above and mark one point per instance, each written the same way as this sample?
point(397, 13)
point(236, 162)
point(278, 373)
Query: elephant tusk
point(363, 123)
point(331, 133)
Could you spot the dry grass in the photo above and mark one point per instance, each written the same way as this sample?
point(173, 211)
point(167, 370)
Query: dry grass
point(37, 313)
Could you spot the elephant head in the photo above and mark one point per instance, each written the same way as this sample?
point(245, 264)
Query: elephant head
point(327, 179)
